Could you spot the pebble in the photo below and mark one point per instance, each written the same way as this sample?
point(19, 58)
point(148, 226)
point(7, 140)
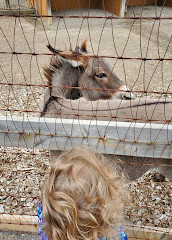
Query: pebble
point(16, 181)
point(156, 221)
point(23, 199)
point(30, 204)
point(29, 189)
point(3, 180)
point(19, 211)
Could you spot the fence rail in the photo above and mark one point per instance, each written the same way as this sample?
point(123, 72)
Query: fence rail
point(28, 223)
point(120, 138)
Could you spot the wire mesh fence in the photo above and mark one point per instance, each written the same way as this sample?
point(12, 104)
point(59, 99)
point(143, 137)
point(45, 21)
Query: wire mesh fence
point(111, 92)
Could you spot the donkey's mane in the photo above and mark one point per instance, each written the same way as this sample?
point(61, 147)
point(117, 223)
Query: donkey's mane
point(51, 69)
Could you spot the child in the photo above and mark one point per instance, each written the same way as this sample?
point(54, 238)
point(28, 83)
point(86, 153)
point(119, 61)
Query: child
point(83, 198)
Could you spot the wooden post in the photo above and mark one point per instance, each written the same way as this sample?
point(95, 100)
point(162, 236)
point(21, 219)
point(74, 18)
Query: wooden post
point(31, 3)
point(112, 6)
point(44, 8)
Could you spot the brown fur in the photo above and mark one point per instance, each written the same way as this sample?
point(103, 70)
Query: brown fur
point(84, 46)
point(78, 68)
point(51, 69)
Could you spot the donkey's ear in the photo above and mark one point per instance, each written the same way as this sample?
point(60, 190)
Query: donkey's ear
point(77, 50)
point(53, 50)
point(84, 46)
point(76, 59)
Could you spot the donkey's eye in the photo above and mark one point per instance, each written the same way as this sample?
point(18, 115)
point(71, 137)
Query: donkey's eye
point(101, 75)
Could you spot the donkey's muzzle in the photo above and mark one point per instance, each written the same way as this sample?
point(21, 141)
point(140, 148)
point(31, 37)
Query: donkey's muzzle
point(123, 93)
point(127, 96)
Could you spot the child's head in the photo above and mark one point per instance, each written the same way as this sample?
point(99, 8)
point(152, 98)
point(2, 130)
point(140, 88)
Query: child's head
point(83, 197)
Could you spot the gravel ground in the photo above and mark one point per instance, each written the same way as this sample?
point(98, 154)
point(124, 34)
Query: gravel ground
point(17, 236)
point(151, 201)
point(21, 171)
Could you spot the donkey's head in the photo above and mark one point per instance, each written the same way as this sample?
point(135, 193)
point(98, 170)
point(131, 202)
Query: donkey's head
point(93, 75)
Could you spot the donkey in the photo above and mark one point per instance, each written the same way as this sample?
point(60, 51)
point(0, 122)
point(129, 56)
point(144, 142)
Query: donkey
point(77, 74)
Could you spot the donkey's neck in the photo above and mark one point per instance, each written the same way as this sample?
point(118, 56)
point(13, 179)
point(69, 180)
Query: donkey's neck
point(63, 78)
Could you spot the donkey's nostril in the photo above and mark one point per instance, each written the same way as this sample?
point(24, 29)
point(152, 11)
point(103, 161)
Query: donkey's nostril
point(127, 96)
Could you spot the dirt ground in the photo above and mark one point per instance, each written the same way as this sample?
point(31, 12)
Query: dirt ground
point(127, 38)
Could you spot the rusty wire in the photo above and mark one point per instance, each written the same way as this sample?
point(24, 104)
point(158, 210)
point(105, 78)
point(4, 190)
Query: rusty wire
point(9, 79)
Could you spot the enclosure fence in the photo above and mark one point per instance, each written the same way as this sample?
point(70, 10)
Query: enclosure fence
point(68, 95)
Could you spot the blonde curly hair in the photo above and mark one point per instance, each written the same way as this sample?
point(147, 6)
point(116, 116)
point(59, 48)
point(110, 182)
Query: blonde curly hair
point(83, 197)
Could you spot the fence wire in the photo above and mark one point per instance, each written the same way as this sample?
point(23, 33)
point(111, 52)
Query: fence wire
point(119, 106)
